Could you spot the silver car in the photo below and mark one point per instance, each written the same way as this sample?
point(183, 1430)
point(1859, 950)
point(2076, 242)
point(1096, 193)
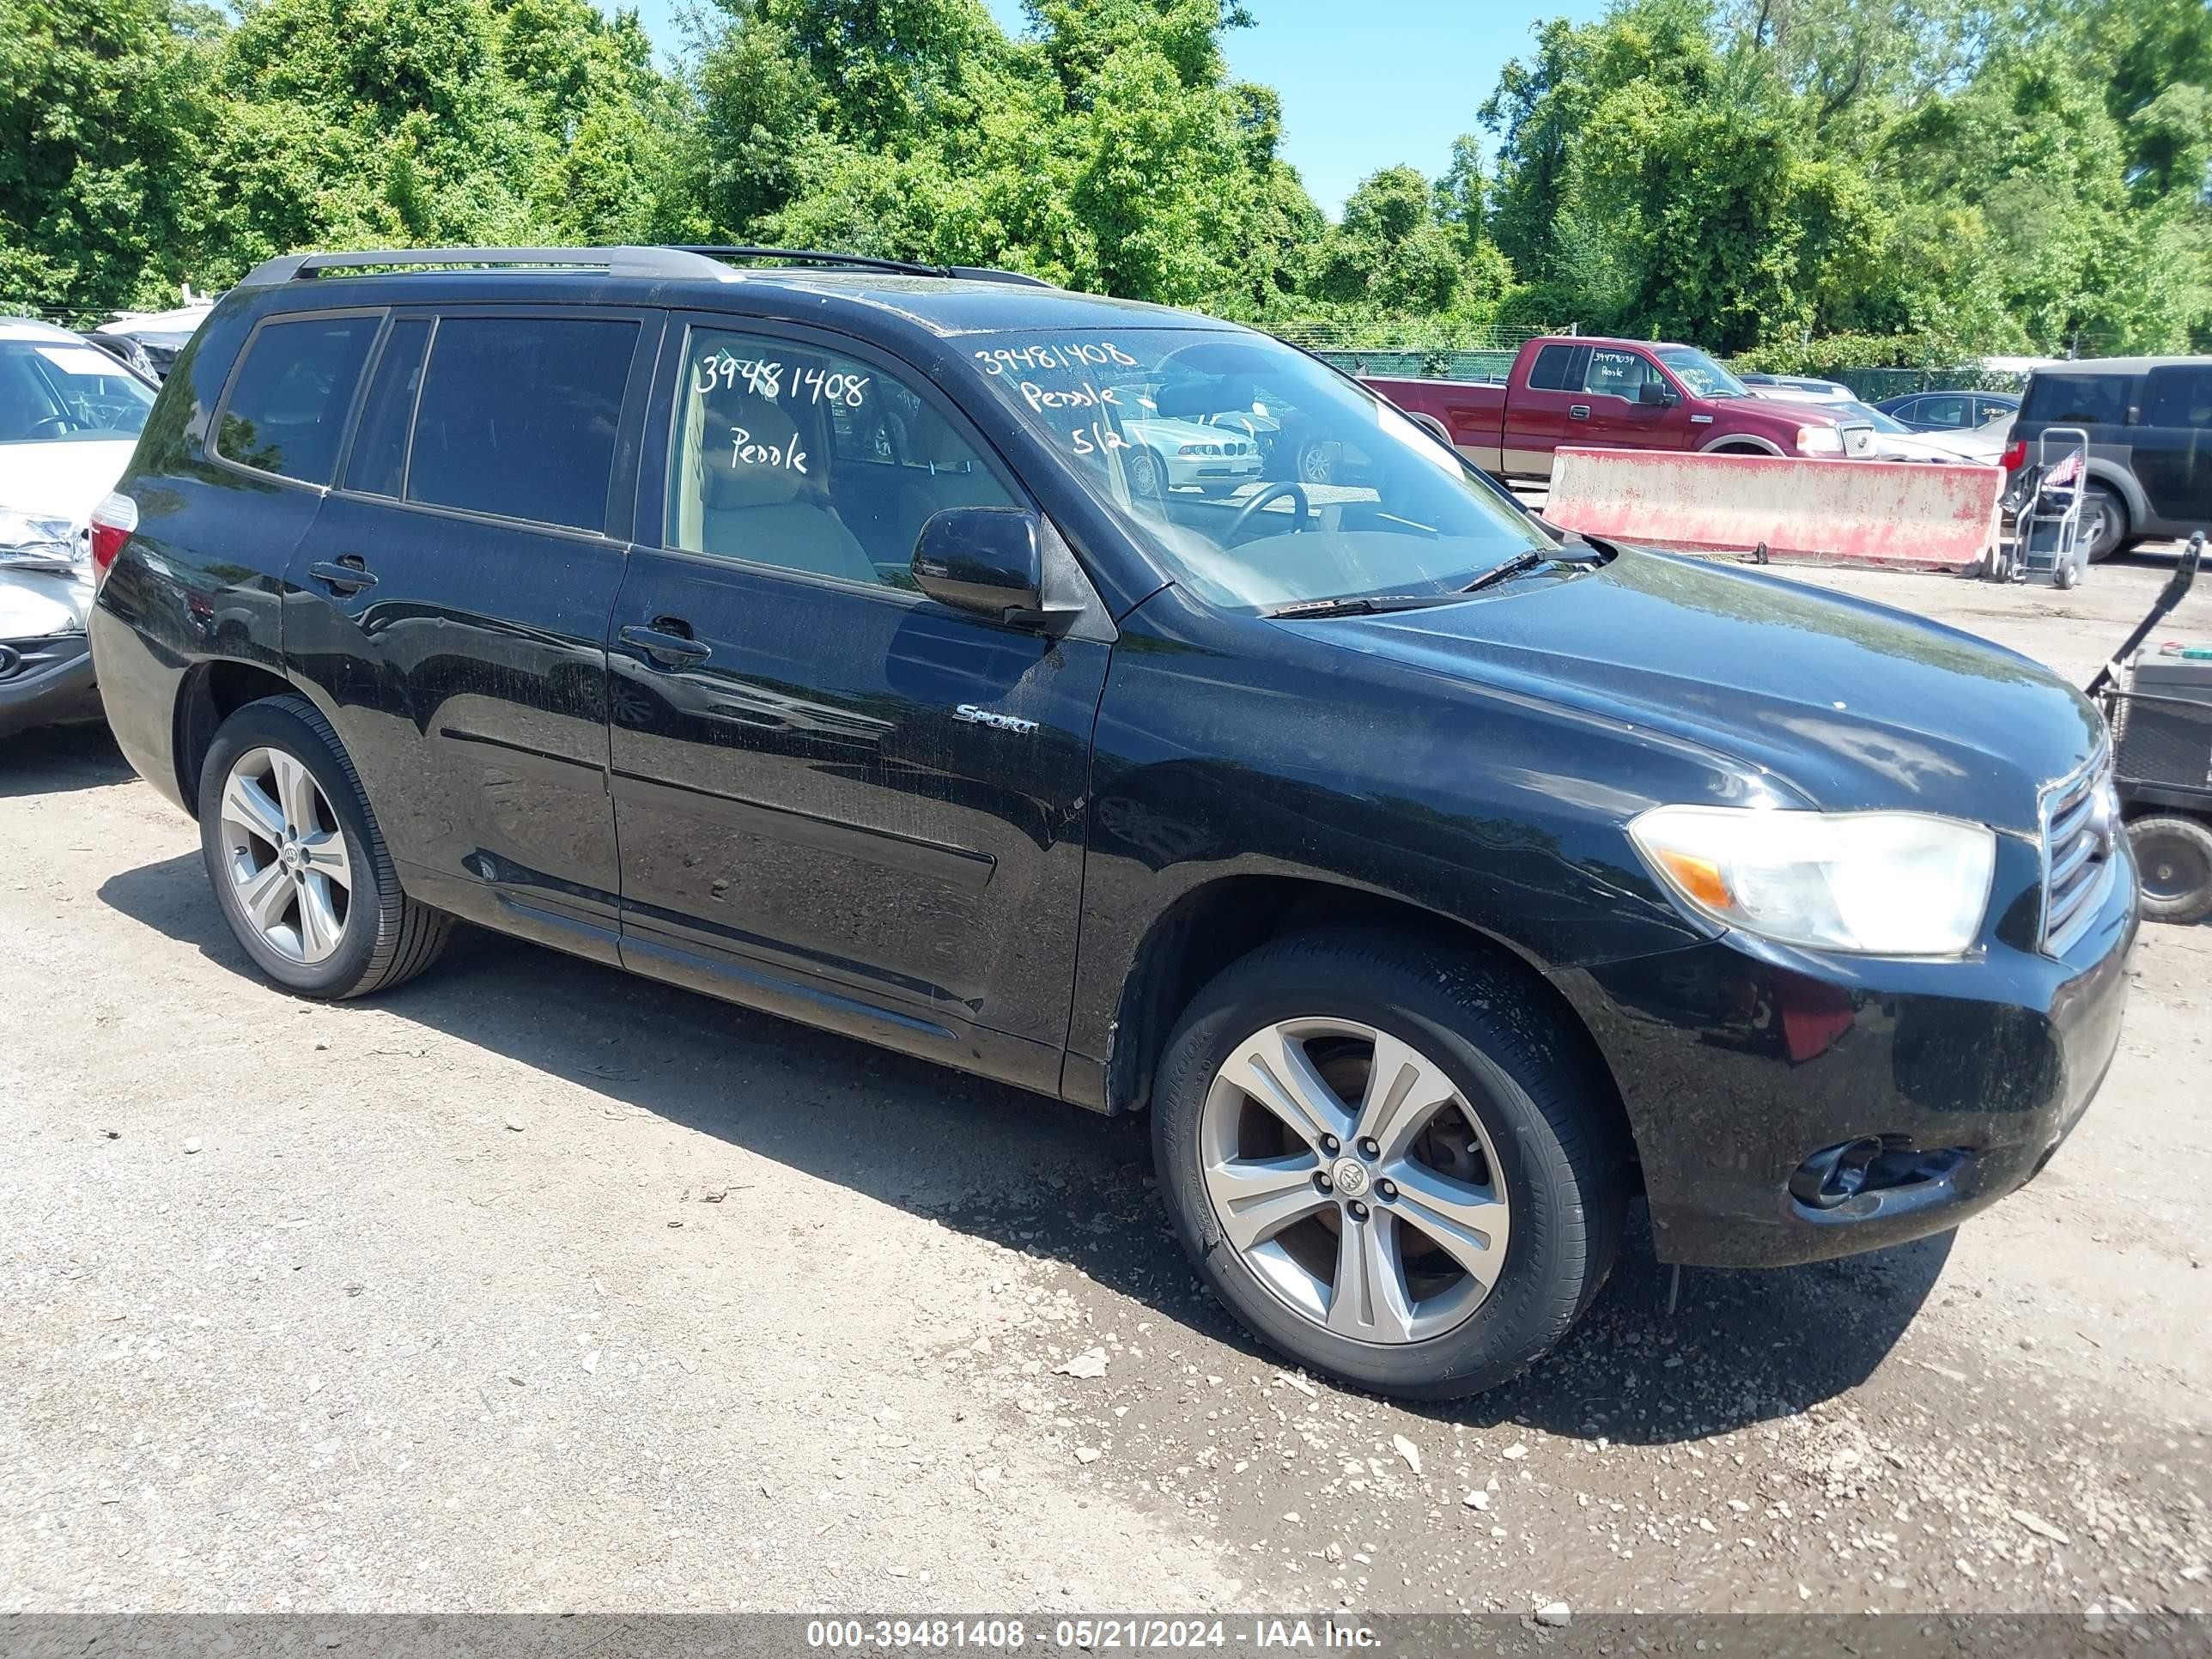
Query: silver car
point(69, 417)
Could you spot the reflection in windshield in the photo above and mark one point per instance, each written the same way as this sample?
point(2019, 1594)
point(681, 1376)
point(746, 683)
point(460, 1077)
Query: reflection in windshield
point(57, 390)
point(1262, 477)
point(1701, 373)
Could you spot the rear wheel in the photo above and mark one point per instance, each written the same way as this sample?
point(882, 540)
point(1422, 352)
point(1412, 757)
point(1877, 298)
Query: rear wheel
point(2104, 523)
point(1387, 1163)
point(2173, 862)
point(299, 868)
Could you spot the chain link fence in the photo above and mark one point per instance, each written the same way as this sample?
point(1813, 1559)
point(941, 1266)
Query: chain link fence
point(1437, 352)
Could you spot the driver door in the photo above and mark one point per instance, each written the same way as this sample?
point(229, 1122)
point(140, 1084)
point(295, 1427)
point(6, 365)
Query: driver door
point(835, 797)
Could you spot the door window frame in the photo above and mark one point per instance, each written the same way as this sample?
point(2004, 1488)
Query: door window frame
point(212, 448)
point(651, 521)
point(622, 483)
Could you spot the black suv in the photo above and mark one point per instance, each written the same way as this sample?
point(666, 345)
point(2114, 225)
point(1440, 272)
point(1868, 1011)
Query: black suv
point(936, 657)
point(2148, 420)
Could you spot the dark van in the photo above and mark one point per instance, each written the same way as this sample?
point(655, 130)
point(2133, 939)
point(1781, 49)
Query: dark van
point(832, 638)
point(2148, 420)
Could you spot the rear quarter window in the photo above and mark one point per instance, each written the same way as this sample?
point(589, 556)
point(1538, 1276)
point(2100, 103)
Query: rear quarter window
point(1553, 364)
point(287, 408)
point(2079, 399)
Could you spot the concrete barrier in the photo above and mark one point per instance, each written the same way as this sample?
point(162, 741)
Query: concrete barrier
point(1908, 514)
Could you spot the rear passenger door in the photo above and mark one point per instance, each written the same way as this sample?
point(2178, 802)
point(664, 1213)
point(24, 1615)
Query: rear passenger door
point(1540, 418)
point(2174, 444)
point(813, 819)
point(449, 606)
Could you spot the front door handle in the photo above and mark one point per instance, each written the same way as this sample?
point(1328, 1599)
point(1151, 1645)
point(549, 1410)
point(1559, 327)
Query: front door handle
point(350, 574)
point(668, 642)
point(1578, 411)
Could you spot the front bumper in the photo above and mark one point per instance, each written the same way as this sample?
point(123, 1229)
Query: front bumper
point(1738, 1060)
point(46, 682)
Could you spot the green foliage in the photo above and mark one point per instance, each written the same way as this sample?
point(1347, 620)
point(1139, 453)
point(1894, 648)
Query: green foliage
point(1910, 181)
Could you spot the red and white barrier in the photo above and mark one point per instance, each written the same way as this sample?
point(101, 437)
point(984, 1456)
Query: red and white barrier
point(1908, 514)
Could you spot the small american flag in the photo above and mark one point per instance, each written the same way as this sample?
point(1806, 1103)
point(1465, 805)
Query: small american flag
point(2066, 473)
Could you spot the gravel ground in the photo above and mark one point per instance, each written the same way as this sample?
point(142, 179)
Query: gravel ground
point(534, 1287)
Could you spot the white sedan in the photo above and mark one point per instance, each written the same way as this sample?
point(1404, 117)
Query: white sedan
point(69, 416)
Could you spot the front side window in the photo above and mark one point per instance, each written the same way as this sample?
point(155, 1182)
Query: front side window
point(1260, 477)
point(790, 455)
point(1704, 377)
point(518, 416)
point(1614, 373)
point(60, 390)
point(287, 409)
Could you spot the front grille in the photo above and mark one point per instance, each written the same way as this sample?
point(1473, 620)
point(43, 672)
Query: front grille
point(1858, 441)
point(2080, 852)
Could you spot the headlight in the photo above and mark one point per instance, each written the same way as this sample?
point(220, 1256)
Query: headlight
point(1884, 884)
point(37, 544)
point(1819, 441)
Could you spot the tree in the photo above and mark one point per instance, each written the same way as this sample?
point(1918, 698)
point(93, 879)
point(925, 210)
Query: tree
point(104, 113)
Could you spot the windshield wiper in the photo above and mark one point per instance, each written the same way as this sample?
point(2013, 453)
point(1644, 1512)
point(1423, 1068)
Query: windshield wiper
point(1358, 604)
point(1520, 564)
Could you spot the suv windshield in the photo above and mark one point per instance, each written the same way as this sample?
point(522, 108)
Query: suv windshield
point(1701, 373)
point(56, 391)
point(1260, 476)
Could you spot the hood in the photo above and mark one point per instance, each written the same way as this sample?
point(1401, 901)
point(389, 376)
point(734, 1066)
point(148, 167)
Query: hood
point(1853, 706)
point(62, 478)
point(1927, 446)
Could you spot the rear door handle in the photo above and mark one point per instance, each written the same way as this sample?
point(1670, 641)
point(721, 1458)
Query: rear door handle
point(668, 642)
point(1578, 411)
point(350, 574)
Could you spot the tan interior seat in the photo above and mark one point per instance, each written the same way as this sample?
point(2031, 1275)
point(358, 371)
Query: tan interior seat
point(762, 506)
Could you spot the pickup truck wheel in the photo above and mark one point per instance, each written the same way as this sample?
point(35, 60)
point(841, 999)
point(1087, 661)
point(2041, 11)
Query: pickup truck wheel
point(1387, 1164)
point(2104, 523)
point(299, 871)
point(2174, 863)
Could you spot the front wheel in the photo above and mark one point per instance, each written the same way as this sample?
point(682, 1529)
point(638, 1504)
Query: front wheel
point(1387, 1163)
point(298, 867)
point(2174, 863)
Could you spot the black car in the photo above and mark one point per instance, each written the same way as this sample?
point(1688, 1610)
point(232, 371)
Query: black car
point(801, 635)
point(1949, 411)
point(2148, 421)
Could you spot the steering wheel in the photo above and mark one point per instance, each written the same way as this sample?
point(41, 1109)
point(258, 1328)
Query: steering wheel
point(60, 425)
point(1300, 520)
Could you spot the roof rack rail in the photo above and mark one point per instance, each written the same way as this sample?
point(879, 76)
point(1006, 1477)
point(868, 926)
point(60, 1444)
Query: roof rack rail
point(616, 261)
point(671, 261)
point(797, 256)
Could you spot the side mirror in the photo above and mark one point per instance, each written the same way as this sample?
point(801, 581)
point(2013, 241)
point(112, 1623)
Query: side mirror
point(983, 560)
point(1653, 394)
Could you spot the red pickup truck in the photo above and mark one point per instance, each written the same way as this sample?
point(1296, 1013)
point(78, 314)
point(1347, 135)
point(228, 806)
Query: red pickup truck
point(1624, 394)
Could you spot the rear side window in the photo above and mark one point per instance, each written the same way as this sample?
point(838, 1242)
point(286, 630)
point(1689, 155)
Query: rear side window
point(518, 416)
point(287, 409)
point(1550, 371)
point(2079, 399)
point(2179, 397)
point(378, 462)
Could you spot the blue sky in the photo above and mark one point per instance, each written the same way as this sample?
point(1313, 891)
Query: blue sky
point(1364, 86)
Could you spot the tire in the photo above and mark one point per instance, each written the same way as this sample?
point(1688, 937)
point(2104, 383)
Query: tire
point(2174, 863)
point(1316, 462)
point(1530, 1117)
point(381, 937)
point(1148, 474)
point(2110, 513)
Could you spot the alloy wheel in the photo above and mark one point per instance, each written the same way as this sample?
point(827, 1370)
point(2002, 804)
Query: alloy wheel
point(1354, 1178)
point(285, 854)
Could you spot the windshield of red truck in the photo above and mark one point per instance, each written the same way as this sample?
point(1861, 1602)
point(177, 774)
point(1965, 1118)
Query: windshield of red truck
point(1260, 476)
point(1704, 377)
